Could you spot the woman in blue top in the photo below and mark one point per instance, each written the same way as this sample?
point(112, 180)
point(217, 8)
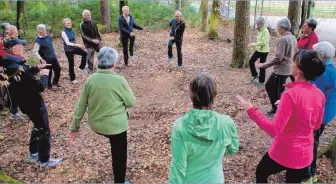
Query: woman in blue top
point(327, 84)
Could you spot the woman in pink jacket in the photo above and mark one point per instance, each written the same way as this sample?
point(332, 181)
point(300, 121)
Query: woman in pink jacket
point(300, 112)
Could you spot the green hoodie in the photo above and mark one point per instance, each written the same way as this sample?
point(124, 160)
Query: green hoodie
point(199, 140)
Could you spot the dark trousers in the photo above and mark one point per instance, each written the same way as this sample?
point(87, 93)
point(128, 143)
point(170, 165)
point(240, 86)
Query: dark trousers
point(70, 56)
point(274, 87)
point(56, 68)
point(268, 166)
point(118, 144)
point(311, 170)
point(178, 48)
point(40, 134)
point(124, 41)
point(262, 56)
point(12, 99)
point(90, 55)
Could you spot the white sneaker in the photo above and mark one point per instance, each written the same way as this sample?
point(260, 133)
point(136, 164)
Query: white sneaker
point(74, 82)
point(32, 158)
point(51, 163)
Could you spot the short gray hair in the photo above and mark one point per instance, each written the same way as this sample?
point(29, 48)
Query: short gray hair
point(107, 57)
point(40, 26)
point(179, 12)
point(311, 23)
point(85, 12)
point(260, 20)
point(285, 23)
point(66, 19)
point(326, 49)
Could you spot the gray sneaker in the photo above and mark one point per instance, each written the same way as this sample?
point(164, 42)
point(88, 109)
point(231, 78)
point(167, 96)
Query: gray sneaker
point(32, 158)
point(51, 163)
point(15, 117)
point(88, 71)
point(170, 59)
point(254, 78)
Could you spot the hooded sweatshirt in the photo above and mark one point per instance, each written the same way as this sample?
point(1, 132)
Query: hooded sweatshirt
point(199, 140)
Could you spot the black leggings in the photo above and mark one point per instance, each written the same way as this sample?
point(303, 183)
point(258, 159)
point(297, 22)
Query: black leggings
point(262, 56)
point(119, 156)
point(268, 166)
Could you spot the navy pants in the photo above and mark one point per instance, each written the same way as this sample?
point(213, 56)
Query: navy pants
point(40, 134)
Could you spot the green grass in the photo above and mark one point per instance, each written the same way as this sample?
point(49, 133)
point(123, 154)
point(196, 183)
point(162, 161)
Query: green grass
point(4, 178)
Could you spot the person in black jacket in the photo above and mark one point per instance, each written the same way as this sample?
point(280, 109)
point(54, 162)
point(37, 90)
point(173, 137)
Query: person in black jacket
point(23, 80)
point(91, 38)
point(177, 27)
point(126, 24)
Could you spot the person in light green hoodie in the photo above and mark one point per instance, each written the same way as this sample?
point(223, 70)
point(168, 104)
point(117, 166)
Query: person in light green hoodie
point(201, 137)
point(107, 96)
point(262, 49)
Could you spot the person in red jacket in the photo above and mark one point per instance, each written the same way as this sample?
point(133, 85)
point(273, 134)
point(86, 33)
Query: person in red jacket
point(308, 37)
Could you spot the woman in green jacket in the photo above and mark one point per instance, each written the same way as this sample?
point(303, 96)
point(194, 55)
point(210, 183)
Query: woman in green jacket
point(107, 96)
point(262, 49)
point(201, 137)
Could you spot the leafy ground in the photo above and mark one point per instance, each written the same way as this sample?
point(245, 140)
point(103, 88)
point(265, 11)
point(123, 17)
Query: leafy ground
point(162, 96)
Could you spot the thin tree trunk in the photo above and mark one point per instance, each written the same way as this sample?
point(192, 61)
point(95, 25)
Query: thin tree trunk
point(310, 9)
point(105, 15)
point(304, 12)
point(255, 13)
point(240, 55)
point(330, 152)
point(204, 13)
point(19, 13)
point(294, 15)
point(122, 3)
point(178, 4)
point(214, 20)
point(262, 8)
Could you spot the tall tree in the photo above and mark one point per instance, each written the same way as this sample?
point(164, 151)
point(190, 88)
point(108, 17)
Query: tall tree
point(255, 13)
point(240, 55)
point(105, 14)
point(19, 13)
point(304, 11)
point(204, 13)
point(294, 8)
point(311, 5)
point(262, 8)
point(214, 19)
point(122, 3)
point(178, 4)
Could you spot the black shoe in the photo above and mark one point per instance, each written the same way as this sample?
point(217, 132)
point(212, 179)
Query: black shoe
point(131, 53)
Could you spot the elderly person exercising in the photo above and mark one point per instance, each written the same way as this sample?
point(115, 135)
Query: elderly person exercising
point(282, 63)
point(71, 48)
point(262, 49)
point(107, 96)
point(327, 84)
point(91, 38)
point(45, 53)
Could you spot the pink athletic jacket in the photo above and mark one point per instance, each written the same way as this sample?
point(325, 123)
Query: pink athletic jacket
point(300, 112)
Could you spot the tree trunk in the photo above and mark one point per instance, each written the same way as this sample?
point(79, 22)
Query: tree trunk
point(310, 9)
point(330, 152)
point(294, 16)
point(204, 13)
point(255, 13)
point(304, 12)
point(262, 7)
point(178, 4)
point(240, 55)
point(122, 3)
point(105, 15)
point(214, 19)
point(19, 13)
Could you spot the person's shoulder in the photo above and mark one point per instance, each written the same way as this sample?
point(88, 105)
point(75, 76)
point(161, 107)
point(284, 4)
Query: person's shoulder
point(224, 120)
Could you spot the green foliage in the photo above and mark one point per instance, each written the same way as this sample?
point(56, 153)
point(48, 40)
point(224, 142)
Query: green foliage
point(152, 14)
point(4, 178)
point(32, 61)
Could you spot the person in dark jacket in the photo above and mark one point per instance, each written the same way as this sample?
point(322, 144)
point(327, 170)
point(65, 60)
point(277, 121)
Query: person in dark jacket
point(126, 24)
point(45, 53)
point(30, 100)
point(177, 27)
point(91, 38)
point(71, 48)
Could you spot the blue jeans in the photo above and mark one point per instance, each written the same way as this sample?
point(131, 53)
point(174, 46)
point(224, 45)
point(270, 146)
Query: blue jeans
point(40, 134)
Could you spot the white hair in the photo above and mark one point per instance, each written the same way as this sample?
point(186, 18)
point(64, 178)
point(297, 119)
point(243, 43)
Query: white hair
point(125, 7)
point(66, 19)
point(85, 12)
point(40, 26)
point(179, 12)
point(326, 49)
point(285, 23)
point(107, 57)
point(260, 20)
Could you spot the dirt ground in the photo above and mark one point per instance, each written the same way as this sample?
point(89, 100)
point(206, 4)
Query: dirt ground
point(162, 96)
